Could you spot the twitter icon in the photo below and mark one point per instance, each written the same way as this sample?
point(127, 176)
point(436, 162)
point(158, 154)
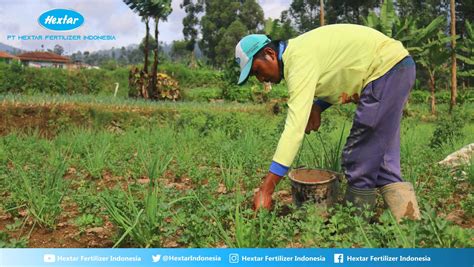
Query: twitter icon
point(156, 258)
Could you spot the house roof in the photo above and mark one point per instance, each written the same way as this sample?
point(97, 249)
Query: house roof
point(7, 55)
point(44, 56)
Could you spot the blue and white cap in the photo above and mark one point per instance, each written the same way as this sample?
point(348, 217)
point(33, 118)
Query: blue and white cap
point(245, 50)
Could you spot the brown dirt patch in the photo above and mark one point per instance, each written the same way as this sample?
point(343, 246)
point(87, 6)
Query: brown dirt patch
point(66, 234)
point(311, 176)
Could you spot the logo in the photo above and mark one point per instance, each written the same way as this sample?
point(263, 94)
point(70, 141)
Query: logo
point(234, 258)
point(156, 258)
point(49, 258)
point(338, 258)
point(61, 20)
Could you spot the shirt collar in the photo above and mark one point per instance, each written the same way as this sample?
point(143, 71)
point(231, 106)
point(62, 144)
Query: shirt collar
point(281, 49)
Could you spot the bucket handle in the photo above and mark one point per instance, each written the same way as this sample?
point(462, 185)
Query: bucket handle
point(300, 152)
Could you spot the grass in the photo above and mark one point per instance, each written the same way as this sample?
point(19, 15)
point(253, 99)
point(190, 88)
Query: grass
point(125, 103)
point(188, 156)
point(41, 192)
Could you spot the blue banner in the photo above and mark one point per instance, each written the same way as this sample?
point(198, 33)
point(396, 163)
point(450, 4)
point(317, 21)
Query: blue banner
point(236, 257)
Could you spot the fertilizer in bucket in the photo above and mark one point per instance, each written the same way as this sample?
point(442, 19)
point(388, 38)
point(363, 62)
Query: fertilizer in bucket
point(315, 185)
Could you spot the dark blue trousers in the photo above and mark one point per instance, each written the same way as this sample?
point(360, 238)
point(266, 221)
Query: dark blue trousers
point(371, 156)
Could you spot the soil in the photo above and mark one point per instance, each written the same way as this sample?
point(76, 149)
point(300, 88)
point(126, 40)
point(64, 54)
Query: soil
point(311, 176)
point(66, 234)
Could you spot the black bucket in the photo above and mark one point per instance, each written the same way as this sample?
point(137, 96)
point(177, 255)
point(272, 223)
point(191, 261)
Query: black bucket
point(315, 185)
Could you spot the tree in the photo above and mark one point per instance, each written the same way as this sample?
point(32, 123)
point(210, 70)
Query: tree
point(424, 10)
point(219, 15)
point(279, 30)
point(179, 50)
point(140, 7)
point(321, 13)
point(349, 11)
point(122, 60)
point(158, 10)
point(454, 82)
point(76, 56)
point(190, 24)
point(428, 46)
point(385, 21)
point(152, 43)
point(305, 14)
point(251, 15)
point(464, 13)
point(58, 49)
point(230, 37)
point(466, 52)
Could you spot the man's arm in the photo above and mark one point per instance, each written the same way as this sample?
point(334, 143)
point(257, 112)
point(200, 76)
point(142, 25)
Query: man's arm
point(263, 198)
point(314, 120)
point(301, 81)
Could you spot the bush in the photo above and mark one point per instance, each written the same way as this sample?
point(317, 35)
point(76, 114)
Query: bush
point(192, 78)
point(448, 129)
point(442, 97)
point(202, 94)
point(15, 78)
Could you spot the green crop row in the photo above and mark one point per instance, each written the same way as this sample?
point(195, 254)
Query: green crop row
point(189, 181)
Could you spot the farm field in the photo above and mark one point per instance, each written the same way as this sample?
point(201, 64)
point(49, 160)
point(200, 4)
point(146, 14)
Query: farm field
point(81, 171)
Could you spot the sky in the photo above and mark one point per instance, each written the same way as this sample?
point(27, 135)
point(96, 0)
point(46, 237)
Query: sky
point(101, 17)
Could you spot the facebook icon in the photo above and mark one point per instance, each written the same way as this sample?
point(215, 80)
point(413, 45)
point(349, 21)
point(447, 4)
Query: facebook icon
point(338, 258)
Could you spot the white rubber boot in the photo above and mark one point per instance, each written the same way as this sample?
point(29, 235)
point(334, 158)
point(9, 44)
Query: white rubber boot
point(401, 200)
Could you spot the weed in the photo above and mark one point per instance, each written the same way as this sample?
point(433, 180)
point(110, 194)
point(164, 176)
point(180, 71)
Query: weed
point(88, 220)
point(17, 224)
point(7, 242)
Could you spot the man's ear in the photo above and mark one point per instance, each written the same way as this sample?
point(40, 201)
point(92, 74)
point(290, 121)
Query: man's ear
point(270, 54)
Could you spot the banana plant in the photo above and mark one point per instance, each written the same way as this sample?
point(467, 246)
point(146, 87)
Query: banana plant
point(466, 52)
point(428, 45)
point(386, 21)
point(432, 54)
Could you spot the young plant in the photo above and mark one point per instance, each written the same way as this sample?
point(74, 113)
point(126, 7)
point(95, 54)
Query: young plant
point(142, 220)
point(96, 158)
point(332, 152)
point(230, 171)
point(247, 228)
point(43, 194)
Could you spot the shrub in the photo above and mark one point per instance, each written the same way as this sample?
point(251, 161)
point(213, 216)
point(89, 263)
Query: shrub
point(192, 78)
point(202, 94)
point(15, 78)
point(448, 129)
point(442, 97)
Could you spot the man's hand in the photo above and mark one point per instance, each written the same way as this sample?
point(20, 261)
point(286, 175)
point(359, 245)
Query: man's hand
point(263, 197)
point(314, 119)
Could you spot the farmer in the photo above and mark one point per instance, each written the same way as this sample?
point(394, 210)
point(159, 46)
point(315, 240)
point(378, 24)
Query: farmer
point(338, 64)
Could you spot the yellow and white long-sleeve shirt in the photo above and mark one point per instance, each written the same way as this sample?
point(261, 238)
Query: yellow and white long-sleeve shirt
point(332, 63)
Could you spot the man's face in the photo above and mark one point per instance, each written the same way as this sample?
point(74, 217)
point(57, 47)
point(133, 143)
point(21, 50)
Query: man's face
point(265, 67)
